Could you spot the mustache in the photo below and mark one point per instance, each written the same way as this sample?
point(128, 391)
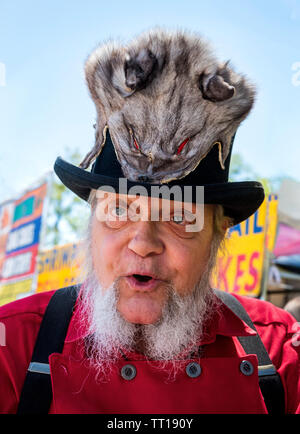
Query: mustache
point(155, 272)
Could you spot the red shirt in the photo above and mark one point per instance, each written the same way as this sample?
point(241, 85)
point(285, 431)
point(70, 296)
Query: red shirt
point(220, 388)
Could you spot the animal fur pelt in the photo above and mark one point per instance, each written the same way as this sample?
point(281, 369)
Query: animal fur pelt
point(167, 101)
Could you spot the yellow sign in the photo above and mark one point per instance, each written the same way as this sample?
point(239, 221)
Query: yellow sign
point(13, 290)
point(240, 266)
point(272, 221)
point(59, 267)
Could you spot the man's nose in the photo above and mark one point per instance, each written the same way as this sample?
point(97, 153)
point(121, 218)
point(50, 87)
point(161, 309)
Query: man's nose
point(145, 240)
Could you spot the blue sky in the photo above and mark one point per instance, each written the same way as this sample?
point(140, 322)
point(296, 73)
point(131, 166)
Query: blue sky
point(45, 106)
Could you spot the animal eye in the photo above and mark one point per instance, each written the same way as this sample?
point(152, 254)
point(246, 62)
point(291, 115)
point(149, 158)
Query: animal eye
point(138, 69)
point(136, 143)
point(182, 145)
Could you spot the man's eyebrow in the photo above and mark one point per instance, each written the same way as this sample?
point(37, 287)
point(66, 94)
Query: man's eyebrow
point(128, 200)
point(117, 198)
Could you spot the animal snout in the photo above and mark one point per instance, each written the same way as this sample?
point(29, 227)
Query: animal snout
point(144, 178)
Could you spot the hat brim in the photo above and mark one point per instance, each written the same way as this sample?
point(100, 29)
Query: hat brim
point(239, 199)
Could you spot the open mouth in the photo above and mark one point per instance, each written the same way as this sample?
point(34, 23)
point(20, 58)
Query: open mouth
point(140, 278)
point(142, 281)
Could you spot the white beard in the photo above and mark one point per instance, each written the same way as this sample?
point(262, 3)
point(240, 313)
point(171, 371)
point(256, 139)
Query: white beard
point(172, 338)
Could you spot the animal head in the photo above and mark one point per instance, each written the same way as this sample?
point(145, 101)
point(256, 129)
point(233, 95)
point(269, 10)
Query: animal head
point(167, 101)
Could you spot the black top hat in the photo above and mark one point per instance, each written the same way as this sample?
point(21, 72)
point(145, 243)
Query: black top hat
point(167, 114)
point(239, 199)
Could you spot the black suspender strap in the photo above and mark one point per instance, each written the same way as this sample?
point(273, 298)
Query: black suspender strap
point(269, 380)
point(36, 395)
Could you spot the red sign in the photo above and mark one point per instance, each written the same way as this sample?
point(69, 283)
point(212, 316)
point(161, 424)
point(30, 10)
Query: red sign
point(19, 248)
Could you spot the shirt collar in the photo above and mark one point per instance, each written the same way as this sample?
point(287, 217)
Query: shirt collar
point(224, 322)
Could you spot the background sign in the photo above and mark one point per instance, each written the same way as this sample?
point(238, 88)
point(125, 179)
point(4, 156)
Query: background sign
point(59, 267)
point(6, 217)
point(20, 236)
point(241, 265)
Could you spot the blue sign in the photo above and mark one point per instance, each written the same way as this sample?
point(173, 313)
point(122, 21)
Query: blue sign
point(24, 236)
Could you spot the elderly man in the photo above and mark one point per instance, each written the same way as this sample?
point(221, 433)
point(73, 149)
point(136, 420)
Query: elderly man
point(145, 332)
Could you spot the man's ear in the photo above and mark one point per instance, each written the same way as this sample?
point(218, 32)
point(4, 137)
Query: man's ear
point(226, 224)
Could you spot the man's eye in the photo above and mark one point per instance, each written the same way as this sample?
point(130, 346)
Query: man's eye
point(178, 219)
point(118, 211)
point(183, 218)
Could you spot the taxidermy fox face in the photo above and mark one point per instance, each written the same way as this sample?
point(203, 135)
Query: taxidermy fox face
point(166, 101)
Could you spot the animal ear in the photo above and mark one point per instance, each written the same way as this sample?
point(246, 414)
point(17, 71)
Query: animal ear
point(226, 140)
point(92, 80)
point(216, 87)
point(100, 137)
point(139, 69)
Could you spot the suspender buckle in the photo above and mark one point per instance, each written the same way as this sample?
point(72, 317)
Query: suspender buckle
point(39, 368)
point(266, 370)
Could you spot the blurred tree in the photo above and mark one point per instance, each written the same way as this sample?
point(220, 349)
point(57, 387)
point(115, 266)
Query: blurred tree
point(67, 214)
point(241, 171)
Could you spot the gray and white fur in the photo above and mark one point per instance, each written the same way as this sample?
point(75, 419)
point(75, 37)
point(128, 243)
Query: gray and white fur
point(159, 91)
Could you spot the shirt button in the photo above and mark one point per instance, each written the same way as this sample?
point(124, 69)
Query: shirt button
point(246, 367)
point(128, 372)
point(193, 370)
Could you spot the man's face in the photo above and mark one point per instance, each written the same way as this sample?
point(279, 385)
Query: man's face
point(146, 257)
